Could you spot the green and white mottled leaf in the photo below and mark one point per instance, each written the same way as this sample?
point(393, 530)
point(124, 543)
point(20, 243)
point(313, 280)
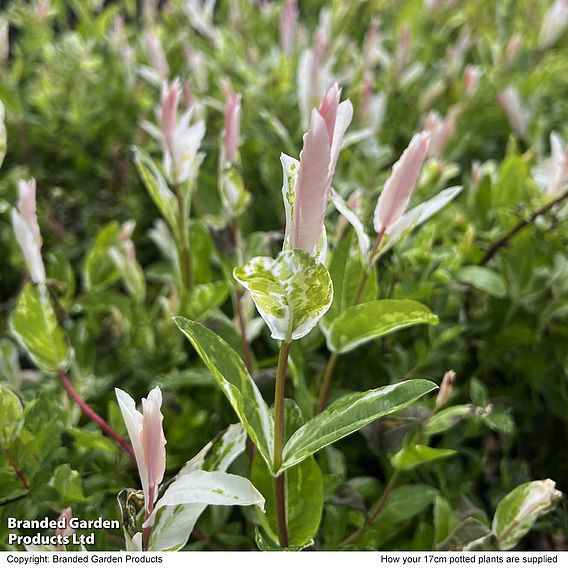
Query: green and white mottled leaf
point(304, 501)
point(413, 456)
point(363, 239)
point(484, 279)
point(349, 414)
point(365, 322)
point(416, 216)
point(233, 378)
point(35, 326)
point(11, 417)
point(157, 187)
point(173, 524)
point(518, 511)
point(291, 293)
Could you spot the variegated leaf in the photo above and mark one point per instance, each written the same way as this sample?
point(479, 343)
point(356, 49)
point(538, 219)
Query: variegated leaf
point(173, 523)
point(365, 322)
point(233, 378)
point(518, 511)
point(291, 293)
point(349, 414)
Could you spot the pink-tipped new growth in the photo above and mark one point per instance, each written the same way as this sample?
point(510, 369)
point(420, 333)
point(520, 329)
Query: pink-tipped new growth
point(232, 125)
point(148, 441)
point(26, 229)
point(399, 186)
point(288, 23)
point(318, 159)
point(168, 113)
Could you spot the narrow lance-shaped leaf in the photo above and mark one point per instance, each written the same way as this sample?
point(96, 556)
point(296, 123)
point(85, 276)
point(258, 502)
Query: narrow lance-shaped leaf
point(362, 238)
point(157, 187)
point(349, 414)
point(399, 186)
point(413, 456)
point(416, 216)
point(233, 378)
point(370, 320)
point(291, 293)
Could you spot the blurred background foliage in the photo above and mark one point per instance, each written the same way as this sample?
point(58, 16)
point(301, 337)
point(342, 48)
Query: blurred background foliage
point(76, 87)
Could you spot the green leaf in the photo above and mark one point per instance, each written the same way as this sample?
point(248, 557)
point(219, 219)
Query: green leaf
point(349, 414)
point(444, 519)
point(205, 297)
point(345, 269)
point(414, 456)
point(304, 501)
point(370, 320)
point(11, 416)
point(518, 511)
point(512, 181)
point(291, 293)
point(483, 279)
point(2, 134)
point(449, 417)
point(68, 484)
point(9, 362)
point(404, 504)
point(234, 196)
point(99, 269)
point(157, 187)
point(235, 381)
point(35, 325)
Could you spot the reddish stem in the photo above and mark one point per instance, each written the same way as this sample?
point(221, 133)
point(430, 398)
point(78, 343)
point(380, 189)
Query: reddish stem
point(94, 416)
point(18, 471)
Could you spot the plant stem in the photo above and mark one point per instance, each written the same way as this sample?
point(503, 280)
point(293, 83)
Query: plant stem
point(332, 362)
point(280, 482)
point(16, 469)
point(147, 531)
point(184, 239)
point(326, 383)
point(375, 511)
point(522, 224)
point(13, 499)
point(237, 297)
point(365, 273)
point(380, 505)
point(94, 416)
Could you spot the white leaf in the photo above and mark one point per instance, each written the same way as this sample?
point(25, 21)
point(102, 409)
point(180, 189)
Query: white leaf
point(418, 215)
point(362, 237)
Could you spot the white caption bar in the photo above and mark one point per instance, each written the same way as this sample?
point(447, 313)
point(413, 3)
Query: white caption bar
point(284, 559)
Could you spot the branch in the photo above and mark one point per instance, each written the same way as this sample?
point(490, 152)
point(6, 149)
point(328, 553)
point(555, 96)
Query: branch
point(523, 223)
